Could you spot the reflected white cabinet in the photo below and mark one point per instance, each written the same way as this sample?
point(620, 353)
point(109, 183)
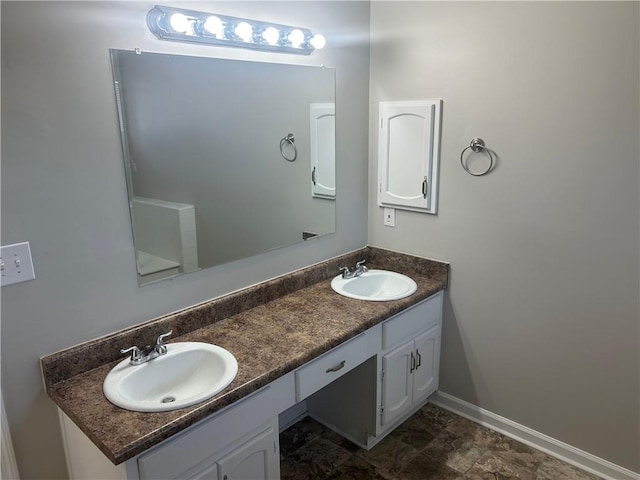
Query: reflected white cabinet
point(322, 119)
point(409, 155)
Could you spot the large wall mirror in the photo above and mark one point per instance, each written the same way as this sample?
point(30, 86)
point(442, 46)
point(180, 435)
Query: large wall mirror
point(224, 159)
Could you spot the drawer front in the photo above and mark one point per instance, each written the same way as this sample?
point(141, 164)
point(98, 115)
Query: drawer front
point(314, 375)
point(177, 455)
point(406, 325)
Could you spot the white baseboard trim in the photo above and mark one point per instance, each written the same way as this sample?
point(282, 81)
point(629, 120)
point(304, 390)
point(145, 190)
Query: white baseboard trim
point(551, 446)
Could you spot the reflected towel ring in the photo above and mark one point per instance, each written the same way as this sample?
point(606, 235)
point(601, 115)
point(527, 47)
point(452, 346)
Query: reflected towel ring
point(477, 146)
point(289, 139)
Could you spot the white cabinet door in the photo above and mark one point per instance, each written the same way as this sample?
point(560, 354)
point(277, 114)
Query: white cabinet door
point(408, 155)
point(256, 459)
point(323, 152)
point(427, 359)
point(397, 383)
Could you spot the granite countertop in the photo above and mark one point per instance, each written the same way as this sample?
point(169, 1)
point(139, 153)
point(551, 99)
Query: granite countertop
point(271, 329)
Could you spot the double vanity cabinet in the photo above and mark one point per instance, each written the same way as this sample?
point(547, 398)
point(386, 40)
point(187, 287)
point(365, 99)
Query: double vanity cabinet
point(362, 387)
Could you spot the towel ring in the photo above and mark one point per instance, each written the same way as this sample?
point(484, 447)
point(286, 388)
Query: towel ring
point(289, 139)
point(477, 146)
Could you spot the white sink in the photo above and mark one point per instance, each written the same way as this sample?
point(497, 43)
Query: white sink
point(375, 286)
point(188, 373)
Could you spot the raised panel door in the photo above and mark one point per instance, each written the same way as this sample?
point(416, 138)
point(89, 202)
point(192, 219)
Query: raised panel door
point(427, 355)
point(396, 383)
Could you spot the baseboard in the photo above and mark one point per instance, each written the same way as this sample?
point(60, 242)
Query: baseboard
point(551, 446)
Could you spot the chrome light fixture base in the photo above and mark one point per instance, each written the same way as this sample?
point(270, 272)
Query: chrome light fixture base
point(180, 25)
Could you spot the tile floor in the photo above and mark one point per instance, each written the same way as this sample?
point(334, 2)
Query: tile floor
point(432, 444)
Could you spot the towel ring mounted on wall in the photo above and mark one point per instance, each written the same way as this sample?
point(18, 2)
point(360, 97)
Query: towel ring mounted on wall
point(289, 139)
point(477, 146)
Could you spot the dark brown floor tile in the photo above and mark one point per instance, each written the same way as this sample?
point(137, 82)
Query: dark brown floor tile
point(389, 456)
point(494, 467)
point(515, 452)
point(471, 431)
point(453, 451)
point(316, 459)
point(413, 433)
point(434, 419)
point(299, 434)
point(553, 469)
point(424, 467)
point(341, 441)
point(432, 444)
point(354, 468)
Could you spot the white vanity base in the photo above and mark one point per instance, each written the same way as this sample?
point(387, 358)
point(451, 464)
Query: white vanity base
point(362, 389)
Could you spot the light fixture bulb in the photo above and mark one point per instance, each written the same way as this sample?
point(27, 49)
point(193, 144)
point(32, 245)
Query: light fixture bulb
point(296, 37)
point(244, 31)
point(179, 23)
point(213, 25)
point(318, 41)
point(271, 35)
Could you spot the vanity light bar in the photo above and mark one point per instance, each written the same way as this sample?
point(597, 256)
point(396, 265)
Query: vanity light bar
point(179, 25)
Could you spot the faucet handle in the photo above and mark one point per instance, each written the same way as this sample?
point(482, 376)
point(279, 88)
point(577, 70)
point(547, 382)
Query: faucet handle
point(345, 271)
point(361, 263)
point(160, 346)
point(136, 354)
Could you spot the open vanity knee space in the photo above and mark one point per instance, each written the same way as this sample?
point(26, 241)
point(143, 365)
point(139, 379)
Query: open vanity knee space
point(359, 367)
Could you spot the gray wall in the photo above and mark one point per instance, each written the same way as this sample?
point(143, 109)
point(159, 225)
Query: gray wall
point(63, 186)
point(541, 323)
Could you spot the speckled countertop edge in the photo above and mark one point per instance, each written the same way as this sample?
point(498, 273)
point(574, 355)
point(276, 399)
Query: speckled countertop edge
point(271, 328)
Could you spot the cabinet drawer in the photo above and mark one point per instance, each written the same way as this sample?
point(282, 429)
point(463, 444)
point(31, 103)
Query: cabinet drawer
point(412, 321)
point(314, 375)
point(177, 455)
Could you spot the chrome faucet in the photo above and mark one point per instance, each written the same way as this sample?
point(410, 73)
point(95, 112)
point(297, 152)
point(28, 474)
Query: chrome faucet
point(139, 357)
point(358, 270)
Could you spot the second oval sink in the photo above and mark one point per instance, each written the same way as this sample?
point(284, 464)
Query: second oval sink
point(375, 286)
point(189, 373)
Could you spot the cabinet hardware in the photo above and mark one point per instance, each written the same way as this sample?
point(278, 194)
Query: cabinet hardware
point(413, 363)
point(336, 368)
point(313, 175)
point(424, 187)
point(419, 357)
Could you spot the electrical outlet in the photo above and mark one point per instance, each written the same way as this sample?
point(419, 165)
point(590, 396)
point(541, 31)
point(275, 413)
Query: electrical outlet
point(15, 264)
point(390, 217)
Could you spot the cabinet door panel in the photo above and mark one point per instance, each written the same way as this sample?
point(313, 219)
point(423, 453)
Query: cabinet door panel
point(397, 381)
point(408, 151)
point(256, 459)
point(425, 376)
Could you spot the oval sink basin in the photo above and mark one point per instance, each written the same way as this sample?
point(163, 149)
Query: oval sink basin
point(375, 286)
point(188, 373)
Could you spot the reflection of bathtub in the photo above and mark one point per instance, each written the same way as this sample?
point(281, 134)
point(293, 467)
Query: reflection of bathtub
point(165, 237)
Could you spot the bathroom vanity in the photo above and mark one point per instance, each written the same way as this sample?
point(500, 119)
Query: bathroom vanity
point(359, 367)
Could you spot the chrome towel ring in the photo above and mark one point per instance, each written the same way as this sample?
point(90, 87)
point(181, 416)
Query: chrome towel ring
point(289, 139)
point(477, 146)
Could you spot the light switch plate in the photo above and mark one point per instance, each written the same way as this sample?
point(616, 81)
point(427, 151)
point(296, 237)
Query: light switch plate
point(15, 264)
point(390, 217)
